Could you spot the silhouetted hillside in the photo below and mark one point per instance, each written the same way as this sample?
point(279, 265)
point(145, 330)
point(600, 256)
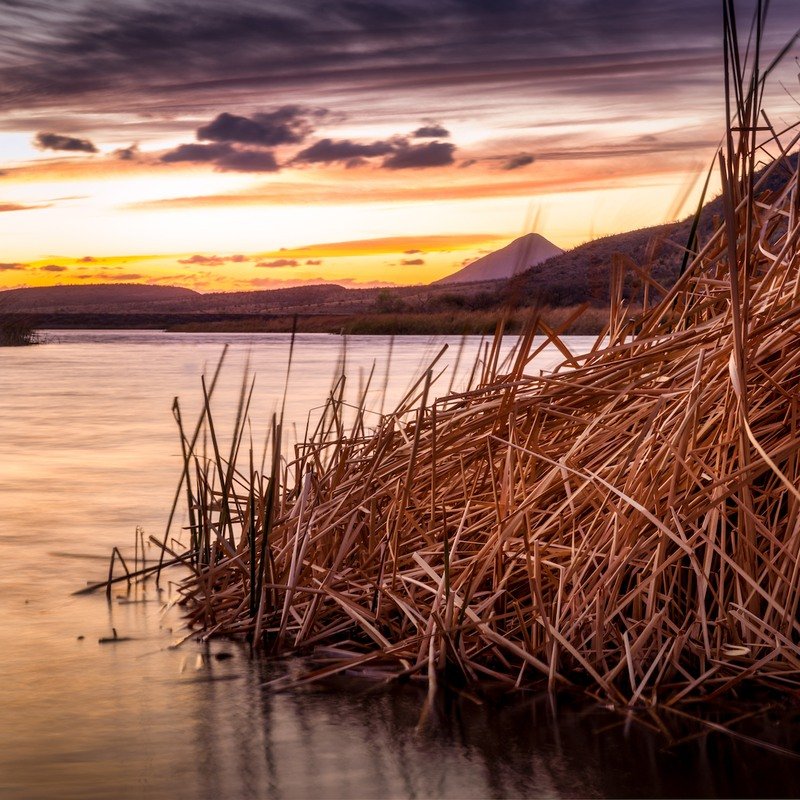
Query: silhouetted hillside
point(102, 296)
point(583, 273)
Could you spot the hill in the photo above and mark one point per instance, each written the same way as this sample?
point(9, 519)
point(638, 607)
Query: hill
point(110, 297)
point(518, 256)
point(583, 274)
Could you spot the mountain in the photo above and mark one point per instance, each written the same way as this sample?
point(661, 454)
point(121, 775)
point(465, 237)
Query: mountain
point(109, 297)
point(521, 254)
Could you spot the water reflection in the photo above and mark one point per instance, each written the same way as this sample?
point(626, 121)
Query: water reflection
point(352, 740)
point(88, 451)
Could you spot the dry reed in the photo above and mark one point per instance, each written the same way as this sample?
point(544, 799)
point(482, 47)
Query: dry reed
point(629, 522)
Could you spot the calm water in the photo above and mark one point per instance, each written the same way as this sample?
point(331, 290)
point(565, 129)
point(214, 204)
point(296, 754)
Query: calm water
point(88, 451)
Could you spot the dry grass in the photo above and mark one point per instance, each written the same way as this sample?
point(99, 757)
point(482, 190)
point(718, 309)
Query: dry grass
point(629, 522)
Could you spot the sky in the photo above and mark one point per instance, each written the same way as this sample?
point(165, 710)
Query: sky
point(252, 145)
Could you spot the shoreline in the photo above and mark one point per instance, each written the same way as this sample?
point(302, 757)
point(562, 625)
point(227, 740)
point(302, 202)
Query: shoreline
point(591, 321)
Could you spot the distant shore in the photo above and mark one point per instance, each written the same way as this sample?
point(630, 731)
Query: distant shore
point(441, 323)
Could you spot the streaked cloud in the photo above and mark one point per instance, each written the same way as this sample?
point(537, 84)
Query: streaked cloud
point(214, 261)
point(518, 161)
point(279, 262)
point(21, 207)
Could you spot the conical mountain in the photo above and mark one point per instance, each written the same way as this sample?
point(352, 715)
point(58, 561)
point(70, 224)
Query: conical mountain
point(519, 255)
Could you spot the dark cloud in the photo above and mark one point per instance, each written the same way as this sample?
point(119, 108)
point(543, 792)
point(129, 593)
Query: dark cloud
point(420, 156)
point(57, 141)
point(287, 125)
point(7, 267)
point(412, 262)
point(223, 156)
point(329, 150)
point(197, 153)
point(313, 262)
point(431, 132)
point(411, 252)
point(53, 268)
point(515, 162)
point(166, 65)
point(163, 53)
point(130, 153)
point(248, 161)
point(87, 260)
point(279, 262)
point(398, 153)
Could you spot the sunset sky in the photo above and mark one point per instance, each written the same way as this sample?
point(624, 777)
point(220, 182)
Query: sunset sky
point(242, 145)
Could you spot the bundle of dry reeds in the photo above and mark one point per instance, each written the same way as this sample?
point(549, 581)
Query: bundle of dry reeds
point(628, 522)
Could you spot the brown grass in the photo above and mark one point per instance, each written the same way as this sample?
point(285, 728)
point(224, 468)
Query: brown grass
point(629, 522)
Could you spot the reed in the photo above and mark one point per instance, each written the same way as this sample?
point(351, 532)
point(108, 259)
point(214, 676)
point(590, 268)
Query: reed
point(628, 522)
point(16, 332)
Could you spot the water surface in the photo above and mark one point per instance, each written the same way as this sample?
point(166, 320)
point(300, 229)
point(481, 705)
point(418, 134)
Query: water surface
point(88, 452)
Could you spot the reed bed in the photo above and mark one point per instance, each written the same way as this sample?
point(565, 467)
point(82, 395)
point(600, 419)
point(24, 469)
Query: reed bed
point(628, 523)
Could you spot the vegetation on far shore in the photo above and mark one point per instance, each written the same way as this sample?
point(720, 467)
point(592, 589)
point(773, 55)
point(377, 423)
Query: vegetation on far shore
point(17, 332)
point(571, 320)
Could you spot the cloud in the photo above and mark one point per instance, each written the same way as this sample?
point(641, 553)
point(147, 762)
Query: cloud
point(87, 260)
point(115, 277)
point(248, 161)
point(57, 141)
point(515, 162)
point(7, 267)
point(130, 153)
point(213, 261)
point(431, 132)
point(399, 154)
point(53, 268)
point(223, 156)
point(421, 156)
point(206, 261)
point(289, 124)
point(197, 153)
point(411, 252)
point(279, 262)
point(412, 262)
point(330, 150)
point(20, 207)
point(313, 262)
point(178, 58)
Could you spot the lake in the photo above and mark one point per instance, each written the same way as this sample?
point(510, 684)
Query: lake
point(89, 452)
